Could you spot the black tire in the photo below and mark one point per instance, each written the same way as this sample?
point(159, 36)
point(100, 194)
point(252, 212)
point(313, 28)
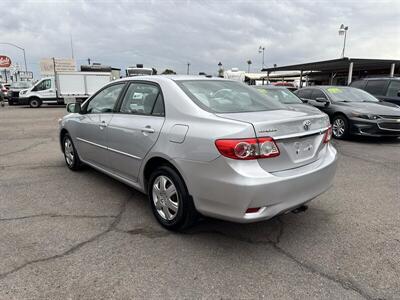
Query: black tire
point(73, 163)
point(186, 214)
point(340, 127)
point(35, 102)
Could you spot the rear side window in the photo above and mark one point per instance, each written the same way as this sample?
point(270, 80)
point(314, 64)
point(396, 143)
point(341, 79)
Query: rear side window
point(317, 94)
point(376, 87)
point(359, 84)
point(394, 88)
point(306, 93)
point(143, 99)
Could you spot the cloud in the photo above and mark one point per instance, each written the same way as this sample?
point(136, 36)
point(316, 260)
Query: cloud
point(168, 34)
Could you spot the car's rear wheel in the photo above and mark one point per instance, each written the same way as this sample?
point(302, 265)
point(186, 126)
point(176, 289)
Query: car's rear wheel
point(170, 201)
point(35, 102)
point(71, 156)
point(340, 127)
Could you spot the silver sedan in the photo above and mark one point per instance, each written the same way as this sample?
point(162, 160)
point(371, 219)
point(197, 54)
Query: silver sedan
point(205, 146)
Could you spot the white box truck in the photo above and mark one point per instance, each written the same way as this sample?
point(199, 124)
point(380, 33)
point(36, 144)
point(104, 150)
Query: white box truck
point(63, 88)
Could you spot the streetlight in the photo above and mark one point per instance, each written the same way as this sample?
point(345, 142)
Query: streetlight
point(220, 70)
point(188, 66)
point(343, 31)
point(261, 49)
point(23, 50)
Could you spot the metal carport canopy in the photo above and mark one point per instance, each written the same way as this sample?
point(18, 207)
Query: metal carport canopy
point(338, 65)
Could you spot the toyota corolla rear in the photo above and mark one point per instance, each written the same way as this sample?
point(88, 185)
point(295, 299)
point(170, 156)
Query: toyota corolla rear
point(284, 161)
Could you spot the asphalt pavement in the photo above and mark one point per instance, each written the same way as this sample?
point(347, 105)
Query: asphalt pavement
point(70, 235)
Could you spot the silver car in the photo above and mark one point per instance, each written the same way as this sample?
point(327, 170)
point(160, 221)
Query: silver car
point(205, 146)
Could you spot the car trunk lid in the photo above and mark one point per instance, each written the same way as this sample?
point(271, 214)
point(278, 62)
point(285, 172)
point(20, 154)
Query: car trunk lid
point(298, 134)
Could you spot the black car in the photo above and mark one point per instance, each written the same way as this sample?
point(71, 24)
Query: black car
point(15, 88)
point(386, 89)
point(354, 111)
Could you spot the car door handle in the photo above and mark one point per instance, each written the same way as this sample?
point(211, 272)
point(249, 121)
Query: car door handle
point(147, 129)
point(102, 125)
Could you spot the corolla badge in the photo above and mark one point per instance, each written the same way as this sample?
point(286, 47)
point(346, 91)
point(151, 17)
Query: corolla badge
point(306, 124)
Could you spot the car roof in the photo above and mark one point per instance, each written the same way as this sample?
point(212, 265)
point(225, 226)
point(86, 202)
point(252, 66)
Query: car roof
point(378, 78)
point(324, 87)
point(169, 78)
point(271, 87)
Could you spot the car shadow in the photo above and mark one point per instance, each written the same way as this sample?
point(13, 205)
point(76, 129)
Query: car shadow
point(295, 226)
point(370, 140)
point(44, 106)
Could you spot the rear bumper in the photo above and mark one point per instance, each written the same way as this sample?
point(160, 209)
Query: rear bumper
point(376, 128)
point(226, 188)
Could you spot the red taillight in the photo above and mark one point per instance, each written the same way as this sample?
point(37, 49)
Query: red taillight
point(328, 135)
point(247, 149)
point(252, 210)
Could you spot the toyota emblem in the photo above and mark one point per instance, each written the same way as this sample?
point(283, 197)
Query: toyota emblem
point(307, 124)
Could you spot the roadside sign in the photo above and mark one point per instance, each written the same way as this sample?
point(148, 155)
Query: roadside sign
point(47, 65)
point(5, 61)
point(25, 75)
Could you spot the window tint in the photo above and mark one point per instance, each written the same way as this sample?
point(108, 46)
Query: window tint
point(158, 109)
point(360, 84)
point(282, 95)
point(141, 98)
point(306, 93)
point(104, 101)
point(44, 85)
point(224, 96)
point(394, 88)
point(376, 87)
point(317, 94)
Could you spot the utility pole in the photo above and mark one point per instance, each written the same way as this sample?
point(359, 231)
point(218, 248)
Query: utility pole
point(261, 49)
point(72, 47)
point(188, 67)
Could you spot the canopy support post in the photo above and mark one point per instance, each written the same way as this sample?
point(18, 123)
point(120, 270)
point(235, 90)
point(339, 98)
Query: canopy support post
point(392, 69)
point(301, 78)
point(350, 76)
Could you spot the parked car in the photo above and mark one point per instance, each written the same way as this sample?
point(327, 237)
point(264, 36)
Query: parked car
point(15, 88)
point(290, 86)
point(4, 87)
point(194, 144)
point(354, 111)
point(385, 89)
point(284, 96)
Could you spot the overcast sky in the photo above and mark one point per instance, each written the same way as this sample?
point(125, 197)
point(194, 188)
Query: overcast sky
point(168, 34)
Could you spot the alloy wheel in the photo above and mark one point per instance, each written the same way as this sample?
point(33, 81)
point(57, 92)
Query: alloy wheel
point(165, 197)
point(338, 127)
point(69, 152)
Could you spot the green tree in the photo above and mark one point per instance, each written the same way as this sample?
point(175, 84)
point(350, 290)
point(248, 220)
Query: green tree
point(168, 71)
point(248, 65)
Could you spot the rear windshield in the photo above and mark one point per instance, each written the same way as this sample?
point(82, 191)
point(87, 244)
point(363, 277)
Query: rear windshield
point(282, 95)
point(223, 96)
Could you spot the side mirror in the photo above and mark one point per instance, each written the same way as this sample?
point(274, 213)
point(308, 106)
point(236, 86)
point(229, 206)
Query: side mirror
point(321, 99)
point(74, 108)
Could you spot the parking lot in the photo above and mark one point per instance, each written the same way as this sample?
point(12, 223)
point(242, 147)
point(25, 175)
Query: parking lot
point(84, 235)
